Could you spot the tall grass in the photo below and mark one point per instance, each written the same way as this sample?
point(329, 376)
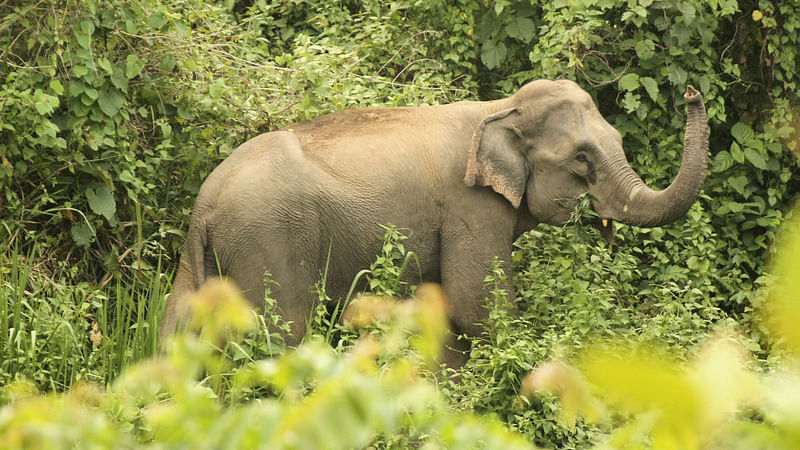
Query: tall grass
point(54, 332)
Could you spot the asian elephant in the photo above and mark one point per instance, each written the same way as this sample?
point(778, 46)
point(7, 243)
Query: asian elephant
point(466, 179)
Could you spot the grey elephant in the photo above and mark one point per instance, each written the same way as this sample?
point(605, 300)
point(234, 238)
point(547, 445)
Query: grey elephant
point(466, 179)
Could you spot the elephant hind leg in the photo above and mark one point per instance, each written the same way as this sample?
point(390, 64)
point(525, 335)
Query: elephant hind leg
point(289, 287)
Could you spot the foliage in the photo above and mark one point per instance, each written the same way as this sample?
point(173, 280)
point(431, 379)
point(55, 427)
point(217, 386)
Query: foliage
point(384, 277)
point(54, 335)
point(715, 401)
point(324, 399)
point(120, 96)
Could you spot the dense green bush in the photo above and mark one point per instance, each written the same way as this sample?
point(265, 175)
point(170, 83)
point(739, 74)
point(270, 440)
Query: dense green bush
point(112, 113)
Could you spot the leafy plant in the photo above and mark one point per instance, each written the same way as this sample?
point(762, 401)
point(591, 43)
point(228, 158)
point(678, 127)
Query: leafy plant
point(325, 399)
point(709, 402)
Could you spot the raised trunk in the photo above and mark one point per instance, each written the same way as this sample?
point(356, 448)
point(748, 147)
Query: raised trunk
point(643, 206)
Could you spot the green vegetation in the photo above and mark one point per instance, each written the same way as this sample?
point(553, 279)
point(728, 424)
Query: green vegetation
point(113, 112)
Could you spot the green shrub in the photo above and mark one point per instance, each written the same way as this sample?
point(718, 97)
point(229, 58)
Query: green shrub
point(717, 400)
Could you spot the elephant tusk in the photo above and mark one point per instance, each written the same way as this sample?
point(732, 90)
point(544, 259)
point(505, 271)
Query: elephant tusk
point(607, 230)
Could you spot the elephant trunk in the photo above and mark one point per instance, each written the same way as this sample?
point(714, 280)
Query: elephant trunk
point(645, 207)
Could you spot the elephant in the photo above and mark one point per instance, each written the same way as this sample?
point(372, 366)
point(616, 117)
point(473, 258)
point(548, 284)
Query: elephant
point(466, 179)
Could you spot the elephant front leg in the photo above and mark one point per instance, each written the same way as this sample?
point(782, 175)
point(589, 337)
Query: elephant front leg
point(463, 277)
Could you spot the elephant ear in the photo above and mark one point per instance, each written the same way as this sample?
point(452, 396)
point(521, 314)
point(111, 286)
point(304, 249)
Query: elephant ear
point(496, 157)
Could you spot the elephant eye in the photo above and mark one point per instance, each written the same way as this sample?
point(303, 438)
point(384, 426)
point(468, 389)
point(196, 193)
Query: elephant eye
point(581, 157)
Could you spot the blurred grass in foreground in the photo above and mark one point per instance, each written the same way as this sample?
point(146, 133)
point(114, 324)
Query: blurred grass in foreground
point(312, 397)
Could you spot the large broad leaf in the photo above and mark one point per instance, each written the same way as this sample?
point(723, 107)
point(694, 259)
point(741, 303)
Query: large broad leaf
point(722, 162)
point(629, 82)
point(738, 183)
point(102, 202)
point(522, 29)
point(493, 53)
point(756, 158)
point(110, 102)
point(44, 103)
point(118, 79)
point(133, 66)
point(742, 132)
point(84, 40)
point(645, 49)
point(651, 86)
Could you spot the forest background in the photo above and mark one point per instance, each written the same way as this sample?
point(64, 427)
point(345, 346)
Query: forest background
point(113, 112)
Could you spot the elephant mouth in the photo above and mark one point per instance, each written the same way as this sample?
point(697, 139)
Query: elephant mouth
point(606, 227)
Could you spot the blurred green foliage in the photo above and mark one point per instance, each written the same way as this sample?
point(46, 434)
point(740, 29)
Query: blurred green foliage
point(720, 399)
point(112, 113)
point(324, 399)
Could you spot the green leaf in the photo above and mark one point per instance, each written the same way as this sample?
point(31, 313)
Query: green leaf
point(75, 88)
point(738, 183)
point(522, 29)
point(133, 66)
point(698, 265)
point(722, 162)
point(677, 75)
point(84, 40)
point(682, 34)
point(57, 87)
point(157, 20)
point(101, 201)
point(80, 71)
point(742, 133)
point(127, 177)
point(119, 80)
point(650, 86)
point(167, 63)
point(705, 84)
point(629, 82)
point(44, 103)
point(82, 234)
point(734, 207)
point(631, 102)
point(645, 49)
point(105, 64)
point(492, 54)
point(87, 26)
point(181, 28)
point(736, 152)
point(92, 93)
point(185, 113)
point(756, 158)
point(688, 11)
point(217, 89)
point(110, 102)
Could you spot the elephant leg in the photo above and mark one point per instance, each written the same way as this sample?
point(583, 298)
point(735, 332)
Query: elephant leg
point(464, 267)
point(290, 286)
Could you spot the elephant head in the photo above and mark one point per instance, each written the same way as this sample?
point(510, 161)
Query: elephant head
point(549, 144)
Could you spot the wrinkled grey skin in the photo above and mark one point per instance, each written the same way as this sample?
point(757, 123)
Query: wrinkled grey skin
point(466, 179)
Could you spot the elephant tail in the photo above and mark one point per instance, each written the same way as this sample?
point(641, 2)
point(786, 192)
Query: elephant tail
point(196, 243)
point(191, 274)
